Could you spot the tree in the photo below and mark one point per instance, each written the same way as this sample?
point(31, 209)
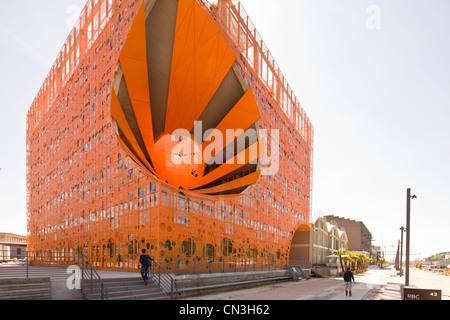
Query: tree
point(381, 262)
point(351, 258)
point(342, 253)
point(361, 260)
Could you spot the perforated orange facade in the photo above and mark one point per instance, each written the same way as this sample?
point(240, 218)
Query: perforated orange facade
point(167, 125)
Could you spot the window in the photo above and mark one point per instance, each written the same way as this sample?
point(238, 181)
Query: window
point(188, 247)
point(209, 252)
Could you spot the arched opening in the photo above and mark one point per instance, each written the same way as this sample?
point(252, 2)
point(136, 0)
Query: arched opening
point(300, 252)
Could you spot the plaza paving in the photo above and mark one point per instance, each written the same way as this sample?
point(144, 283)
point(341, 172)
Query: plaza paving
point(375, 284)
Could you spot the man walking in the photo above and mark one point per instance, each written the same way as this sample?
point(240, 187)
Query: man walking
point(146, 262)
point(348, 277)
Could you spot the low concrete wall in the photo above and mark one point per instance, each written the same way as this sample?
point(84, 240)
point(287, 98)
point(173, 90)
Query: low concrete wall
point(198, 284)
point(60, 291)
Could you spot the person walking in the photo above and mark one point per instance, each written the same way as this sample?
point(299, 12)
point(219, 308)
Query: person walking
point(348, 277)
point(146, 262)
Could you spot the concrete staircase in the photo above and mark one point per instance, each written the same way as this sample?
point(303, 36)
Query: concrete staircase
point(320, 272)
point(130, 289)
point(25, 289)
point(14, 284)
point(20, 271)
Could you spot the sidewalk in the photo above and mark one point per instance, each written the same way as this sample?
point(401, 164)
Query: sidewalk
point(418, 279)
point(429, 280)
point(375, 284)
point(368, 286)
point(393, 288)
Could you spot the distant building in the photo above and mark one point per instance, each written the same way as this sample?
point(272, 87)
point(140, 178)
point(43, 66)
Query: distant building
point(359, 237)
point(327, 239)
point(377, 252)
point(12, 246)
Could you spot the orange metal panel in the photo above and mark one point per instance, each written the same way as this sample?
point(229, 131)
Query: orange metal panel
point(235, 164)
point(117, 113)
point(201, 59)
point(179, 174)
point(242, 116)
point(235, 184)
point(133, 60)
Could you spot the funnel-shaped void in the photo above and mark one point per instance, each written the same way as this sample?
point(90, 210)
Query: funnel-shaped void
point(181, 106)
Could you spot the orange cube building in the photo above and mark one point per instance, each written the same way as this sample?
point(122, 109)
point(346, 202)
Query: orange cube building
point(167, 125)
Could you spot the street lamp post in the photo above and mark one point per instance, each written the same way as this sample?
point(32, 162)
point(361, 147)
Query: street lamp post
point(401, 250)
point(408, 232)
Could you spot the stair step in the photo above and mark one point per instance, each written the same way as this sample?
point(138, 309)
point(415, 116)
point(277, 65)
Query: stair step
point(132, 287)
point(133, 292)
point(55, 273)
point(123, 279)
point(142, 296)
point(121, 283)
point(161, 298)
point(129, 289)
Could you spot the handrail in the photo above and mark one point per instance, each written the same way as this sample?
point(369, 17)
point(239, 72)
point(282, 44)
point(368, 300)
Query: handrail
point(91, 282)
point(90, 279)
point(163, 279)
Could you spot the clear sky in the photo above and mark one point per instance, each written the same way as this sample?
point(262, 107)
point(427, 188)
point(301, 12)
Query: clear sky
point(373, 76)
